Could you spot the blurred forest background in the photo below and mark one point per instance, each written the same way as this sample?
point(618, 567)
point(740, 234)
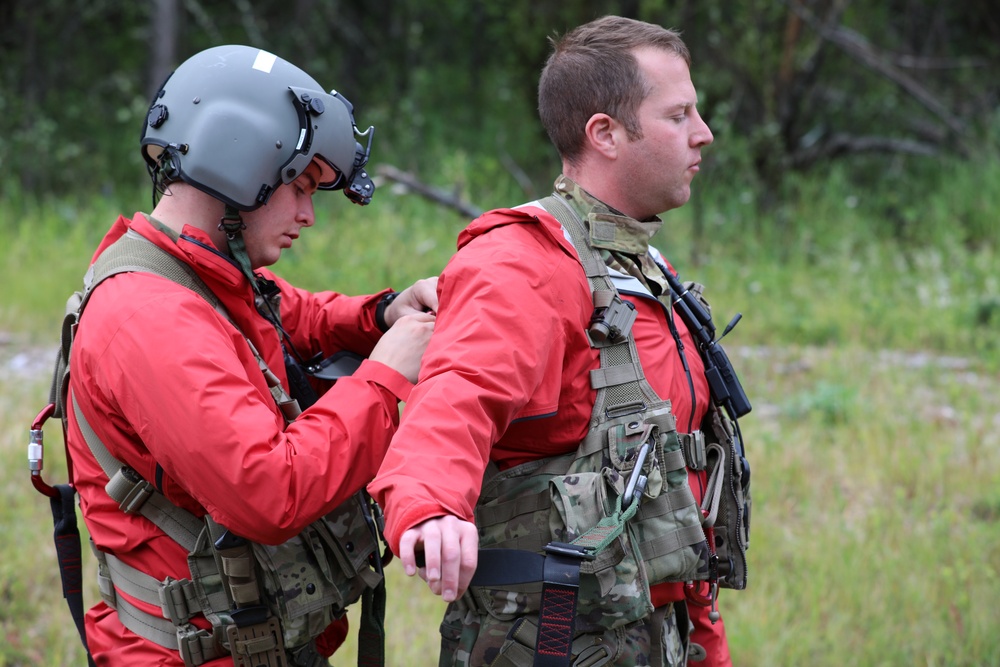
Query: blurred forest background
point(888, 91)
point(848, 207)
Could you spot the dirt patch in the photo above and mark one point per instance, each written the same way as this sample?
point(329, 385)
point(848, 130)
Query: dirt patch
point(21, 359)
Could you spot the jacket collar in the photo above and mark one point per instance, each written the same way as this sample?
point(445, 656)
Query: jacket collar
point(609, 229)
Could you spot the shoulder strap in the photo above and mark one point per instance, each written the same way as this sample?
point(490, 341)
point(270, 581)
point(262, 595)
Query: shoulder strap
point(130, 253)
point(620, 381)
point(134, 253)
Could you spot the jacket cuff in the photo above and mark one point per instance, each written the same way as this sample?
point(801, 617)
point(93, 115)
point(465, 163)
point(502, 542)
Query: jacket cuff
point(382, 375)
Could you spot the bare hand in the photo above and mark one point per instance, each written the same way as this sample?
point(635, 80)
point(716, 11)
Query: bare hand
point(402, 346)
point(420, 297)
point(451, 552)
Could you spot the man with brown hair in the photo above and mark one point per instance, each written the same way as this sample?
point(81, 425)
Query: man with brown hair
point(518, 374)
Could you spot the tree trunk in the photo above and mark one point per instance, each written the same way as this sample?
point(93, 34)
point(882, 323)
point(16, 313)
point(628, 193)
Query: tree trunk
point(163, 43)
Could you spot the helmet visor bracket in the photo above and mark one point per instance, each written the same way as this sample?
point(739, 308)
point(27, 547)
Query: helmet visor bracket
point(328, 132)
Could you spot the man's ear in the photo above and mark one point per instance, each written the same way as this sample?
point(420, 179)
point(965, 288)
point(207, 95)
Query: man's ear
point(603, 134)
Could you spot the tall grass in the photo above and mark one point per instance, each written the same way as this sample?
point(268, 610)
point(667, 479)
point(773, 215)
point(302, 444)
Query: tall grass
point(872, 366)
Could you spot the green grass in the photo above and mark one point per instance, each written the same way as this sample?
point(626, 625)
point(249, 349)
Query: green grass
point(873, 371)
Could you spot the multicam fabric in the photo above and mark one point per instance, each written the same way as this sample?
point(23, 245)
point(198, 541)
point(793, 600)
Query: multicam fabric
point(310, 580)
point(623, 244)
point(471, 640)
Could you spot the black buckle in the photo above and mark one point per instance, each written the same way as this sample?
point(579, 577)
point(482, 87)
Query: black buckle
point(570, 550)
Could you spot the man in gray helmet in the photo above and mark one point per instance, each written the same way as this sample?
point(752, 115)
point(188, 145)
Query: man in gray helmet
point(218, 480)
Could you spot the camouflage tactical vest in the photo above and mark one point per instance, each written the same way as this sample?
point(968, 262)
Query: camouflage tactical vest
point(266, 603)
point(581, 497)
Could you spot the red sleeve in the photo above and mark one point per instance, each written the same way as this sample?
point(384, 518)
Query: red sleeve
point(191, 397)
point(328, 321)
point(496, 326)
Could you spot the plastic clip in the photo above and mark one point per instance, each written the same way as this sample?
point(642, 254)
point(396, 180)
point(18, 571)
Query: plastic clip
point(611, 323)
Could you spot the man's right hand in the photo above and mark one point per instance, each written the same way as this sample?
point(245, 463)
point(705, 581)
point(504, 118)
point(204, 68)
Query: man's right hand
point(451, 551)
point(402, 346)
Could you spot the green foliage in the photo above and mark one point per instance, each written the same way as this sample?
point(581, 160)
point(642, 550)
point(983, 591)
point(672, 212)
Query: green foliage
point(444, 78)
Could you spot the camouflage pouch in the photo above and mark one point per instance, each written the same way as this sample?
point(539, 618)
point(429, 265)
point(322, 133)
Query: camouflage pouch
point(727, 500)
point(562, 498)
point(310, 580)
point(613, 587)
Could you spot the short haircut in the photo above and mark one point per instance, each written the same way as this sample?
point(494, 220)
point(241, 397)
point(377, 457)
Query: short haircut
point(593, 69)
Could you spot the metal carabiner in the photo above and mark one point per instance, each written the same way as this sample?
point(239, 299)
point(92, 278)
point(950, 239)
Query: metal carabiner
point(36, 452)
point(690, 587)
point(711, 600)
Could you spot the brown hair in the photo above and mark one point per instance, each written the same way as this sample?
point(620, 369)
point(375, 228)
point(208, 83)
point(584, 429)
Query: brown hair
point(593, 69)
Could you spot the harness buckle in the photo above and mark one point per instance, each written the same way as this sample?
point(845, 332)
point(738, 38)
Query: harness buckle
point(196, 646)
point(175, 598)
point(255, 638)
point(570, 550)
point(693, 445)
point(138, 490)
point(594, 656)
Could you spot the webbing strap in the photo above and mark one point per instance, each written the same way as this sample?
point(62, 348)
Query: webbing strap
point(371, 634)
point(560, 584)
point(622, 389)
point(196, 645)
point(559, 571)
point(182, 526)
point(131, 581)
point(504, 512)
point(666, 503)
point(134, 253)
point(713, 490)
point(601, 378)
point(620, 381)
point(678, 539)
point(158, 630)
point(66, 535)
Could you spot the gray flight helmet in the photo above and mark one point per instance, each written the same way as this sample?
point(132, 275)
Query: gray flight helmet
point(236, 122)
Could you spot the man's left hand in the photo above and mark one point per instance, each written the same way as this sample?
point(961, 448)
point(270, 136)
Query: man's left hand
point(420, 297)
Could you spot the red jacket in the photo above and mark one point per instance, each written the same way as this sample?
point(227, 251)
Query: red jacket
point(172, 389)
point(506, 377)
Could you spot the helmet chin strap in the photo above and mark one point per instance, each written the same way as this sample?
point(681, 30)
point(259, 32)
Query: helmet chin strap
point(232, 224)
